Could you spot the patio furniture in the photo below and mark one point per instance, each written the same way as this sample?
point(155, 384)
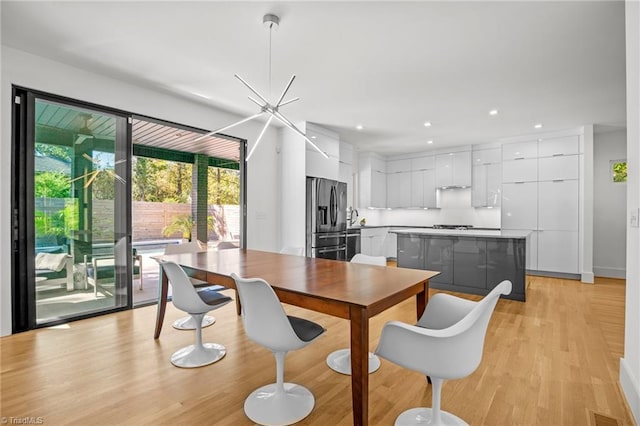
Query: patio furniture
point(55, 268)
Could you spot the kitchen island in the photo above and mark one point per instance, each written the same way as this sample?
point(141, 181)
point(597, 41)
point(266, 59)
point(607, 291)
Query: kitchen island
point(469, 261)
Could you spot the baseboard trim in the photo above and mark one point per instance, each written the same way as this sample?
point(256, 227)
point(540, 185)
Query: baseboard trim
point(587, 278)
point(630, 389)
point(610, 272)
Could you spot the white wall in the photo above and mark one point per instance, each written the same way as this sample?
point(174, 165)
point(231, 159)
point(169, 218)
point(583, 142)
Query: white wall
point(630, 363)
point(35, 72)
point(610, 207)
point(292, 190)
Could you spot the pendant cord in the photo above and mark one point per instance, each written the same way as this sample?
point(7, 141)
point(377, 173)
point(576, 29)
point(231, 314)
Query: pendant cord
point(270, 31)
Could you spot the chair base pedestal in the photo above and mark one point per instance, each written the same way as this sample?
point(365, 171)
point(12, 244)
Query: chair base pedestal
point(187, 323)
point(266, 407)
point(340, 361)
point(423, 416)
point(193, 356)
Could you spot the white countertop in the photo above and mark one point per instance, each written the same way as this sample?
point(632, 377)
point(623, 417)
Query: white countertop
point(467, 233)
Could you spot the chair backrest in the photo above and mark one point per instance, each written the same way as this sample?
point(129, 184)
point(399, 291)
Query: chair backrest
point(194, 246)
point(185, 296)
point(448, 353)
point(369, 260)
point(296, 251)
point(265, 321)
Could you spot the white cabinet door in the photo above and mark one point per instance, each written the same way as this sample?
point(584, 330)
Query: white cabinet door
point(532, 251)
point(399, 189)
point(461, 168)
point(494, 184)
point(417, 189)
point(520, 170)
point(346, 153)
point(453, 169)
point(372, 241)
point(423, 163)
point(429, 189)
point(520, 205)
point(479, 186)
point(558, 205)
point(396, 166)
point(558, 251)
point(519, 150)
point(559, 167)
point(486, 156)
point(391, 245)
point(567, 145)
point(378, 189)
point(444, 170)
point(346, 175)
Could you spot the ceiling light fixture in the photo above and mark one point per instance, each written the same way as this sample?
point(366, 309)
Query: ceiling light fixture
point(493, 112)
point(538, 126)
point(427, 124)
point(429, 142)
point(359, 127)
point(273, 109)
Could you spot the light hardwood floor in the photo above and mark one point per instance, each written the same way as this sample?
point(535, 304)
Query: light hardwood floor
point(550, 361)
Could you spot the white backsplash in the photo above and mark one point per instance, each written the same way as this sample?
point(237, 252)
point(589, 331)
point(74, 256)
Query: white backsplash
point(455, 209)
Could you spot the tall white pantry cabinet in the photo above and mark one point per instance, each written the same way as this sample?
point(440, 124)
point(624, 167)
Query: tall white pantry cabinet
point(540, 193)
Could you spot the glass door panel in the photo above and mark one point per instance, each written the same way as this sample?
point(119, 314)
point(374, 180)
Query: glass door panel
point(81, 262)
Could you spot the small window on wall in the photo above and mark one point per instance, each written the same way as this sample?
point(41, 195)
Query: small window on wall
point(618, 171)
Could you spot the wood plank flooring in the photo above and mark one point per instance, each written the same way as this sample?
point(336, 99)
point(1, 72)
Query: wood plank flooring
point(550, 361)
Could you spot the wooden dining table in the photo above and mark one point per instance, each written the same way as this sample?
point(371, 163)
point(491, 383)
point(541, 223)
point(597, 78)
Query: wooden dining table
point(355, 292)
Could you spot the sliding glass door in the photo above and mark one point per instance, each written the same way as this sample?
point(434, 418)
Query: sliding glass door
point(79, 261)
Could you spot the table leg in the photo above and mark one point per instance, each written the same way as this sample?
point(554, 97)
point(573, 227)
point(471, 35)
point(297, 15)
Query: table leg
point(421, 300)
point(163, 291)
point(359, 365)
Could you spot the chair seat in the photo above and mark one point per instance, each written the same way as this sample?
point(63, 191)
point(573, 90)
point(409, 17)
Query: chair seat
point(305, 330)
point(213, 298)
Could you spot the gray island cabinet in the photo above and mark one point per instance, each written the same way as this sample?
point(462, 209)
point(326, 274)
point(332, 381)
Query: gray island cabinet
point(469, 261)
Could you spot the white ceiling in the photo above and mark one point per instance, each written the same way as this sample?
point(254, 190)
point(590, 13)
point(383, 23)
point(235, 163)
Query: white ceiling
point(389, 66)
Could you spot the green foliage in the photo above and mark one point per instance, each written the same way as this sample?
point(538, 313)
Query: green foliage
point(60, 223)
point(161, 181)
point(224, 186)
point(55, 151)
point(52, 185)
point(181, 223)
point(620, 171)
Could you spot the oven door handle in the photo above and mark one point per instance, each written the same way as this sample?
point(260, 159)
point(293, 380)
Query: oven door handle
point(323, 237)
point(341, 248)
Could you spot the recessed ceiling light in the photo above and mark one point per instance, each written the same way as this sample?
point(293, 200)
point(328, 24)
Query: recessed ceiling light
point(313, 137)
point(429, 142)
point(427, 124)
point(359, 127)
point(538, 126)
point(493, 112)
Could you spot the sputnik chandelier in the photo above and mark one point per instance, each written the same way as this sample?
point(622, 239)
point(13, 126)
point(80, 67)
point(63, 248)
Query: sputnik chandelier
point(272, 109)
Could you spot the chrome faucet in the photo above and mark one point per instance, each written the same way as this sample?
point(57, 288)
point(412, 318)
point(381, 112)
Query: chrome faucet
point(352, 215)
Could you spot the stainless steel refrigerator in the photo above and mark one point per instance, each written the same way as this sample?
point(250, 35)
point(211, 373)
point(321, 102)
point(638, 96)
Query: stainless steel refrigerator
point(326, 218)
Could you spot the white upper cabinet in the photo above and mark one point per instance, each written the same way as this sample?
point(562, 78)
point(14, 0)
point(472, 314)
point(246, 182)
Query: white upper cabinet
point(453, 169)
point(423, 188)
point(346, 153)
point(398, 166)
point(423, 163)
point(486, 156)
point(525, 170)
point(553, 147)
point(316, 164)
point(558, 168)
point(519, 150)
point(486, 188)
point(399, 189)
point(372, 181)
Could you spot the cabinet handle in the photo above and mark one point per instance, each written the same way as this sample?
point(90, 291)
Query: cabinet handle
point(519, 158)
point(520, 182)
point(558, 155)
point(557, 180)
